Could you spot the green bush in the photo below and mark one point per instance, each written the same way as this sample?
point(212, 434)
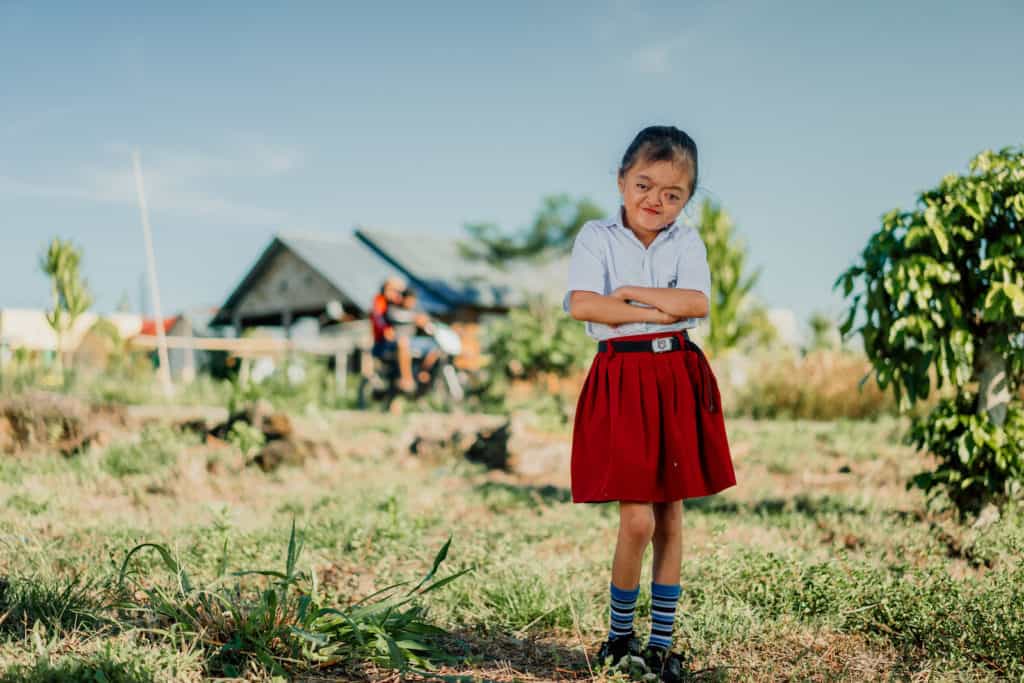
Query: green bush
point(537, 339)
point(938, 298)
point(156, 449)
point(978, 461)
point(283, 621)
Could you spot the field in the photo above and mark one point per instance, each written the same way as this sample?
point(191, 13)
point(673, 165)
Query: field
point(819, 565)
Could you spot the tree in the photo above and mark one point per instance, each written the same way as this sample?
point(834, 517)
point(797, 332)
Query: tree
point(823, 332)
point(552, 232)
point(71, 297)
point(942, 299)
point(735, 316)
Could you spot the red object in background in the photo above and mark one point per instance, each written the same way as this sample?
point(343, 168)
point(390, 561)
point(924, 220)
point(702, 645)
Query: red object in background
point(378, 317)
point(149, 325)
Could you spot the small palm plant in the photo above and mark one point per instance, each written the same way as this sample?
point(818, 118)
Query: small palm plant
point(70, 292)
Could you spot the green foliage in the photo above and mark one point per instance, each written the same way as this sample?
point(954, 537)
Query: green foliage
point(155, 450)
point(940, 284)
point(102, 667)
point(57, 604)
point(537, 339)
point(735, 316)
point(823, 332)
point(968, 618)
point(297, 383)
point(246, 438)
point(989, 460)
point(71, 297)
point(285, 621)
point(553, 230)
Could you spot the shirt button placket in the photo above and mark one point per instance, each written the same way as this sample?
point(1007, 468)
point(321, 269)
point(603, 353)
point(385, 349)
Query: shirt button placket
point(649, 277)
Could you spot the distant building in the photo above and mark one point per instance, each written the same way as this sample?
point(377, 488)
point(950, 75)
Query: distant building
point(323, 276)
point(29, 329)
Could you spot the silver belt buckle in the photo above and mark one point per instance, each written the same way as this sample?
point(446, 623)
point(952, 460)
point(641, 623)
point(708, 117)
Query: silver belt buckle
point(661, 344)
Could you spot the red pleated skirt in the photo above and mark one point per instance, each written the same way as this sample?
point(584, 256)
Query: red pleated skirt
point(649, 427)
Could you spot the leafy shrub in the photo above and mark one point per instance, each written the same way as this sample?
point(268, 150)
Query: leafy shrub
point(286, 622)
point(537, 339)
point(939, 300)
point(246, 438)
point(156, 449)
point(978, 461)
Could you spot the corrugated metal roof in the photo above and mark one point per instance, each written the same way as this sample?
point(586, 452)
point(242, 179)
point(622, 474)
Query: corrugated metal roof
point(437, 263)
point(358, 264)
point(351, 266)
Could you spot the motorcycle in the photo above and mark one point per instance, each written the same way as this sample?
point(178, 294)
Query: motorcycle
point(380, 377)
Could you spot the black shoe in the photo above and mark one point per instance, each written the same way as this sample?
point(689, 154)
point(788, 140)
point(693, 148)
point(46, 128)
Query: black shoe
point(622, 653)
point(663, 665)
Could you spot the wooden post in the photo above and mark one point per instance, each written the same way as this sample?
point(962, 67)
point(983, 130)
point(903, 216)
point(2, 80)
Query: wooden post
point(188, 370)
point(164, 370)
point(340, 371)
point(286, 322)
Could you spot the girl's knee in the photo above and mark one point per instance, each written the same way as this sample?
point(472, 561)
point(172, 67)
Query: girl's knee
point(668, 519)
point(637, 525)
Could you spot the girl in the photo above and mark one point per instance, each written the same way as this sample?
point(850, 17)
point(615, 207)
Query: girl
point(649, 430)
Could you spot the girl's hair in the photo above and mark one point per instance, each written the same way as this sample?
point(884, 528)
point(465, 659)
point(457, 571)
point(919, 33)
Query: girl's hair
point(661, 143)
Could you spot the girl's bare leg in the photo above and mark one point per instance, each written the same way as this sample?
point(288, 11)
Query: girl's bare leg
point(668, 542)
point(636, 526)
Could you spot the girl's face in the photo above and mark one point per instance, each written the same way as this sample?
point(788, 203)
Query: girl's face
point(654, 194)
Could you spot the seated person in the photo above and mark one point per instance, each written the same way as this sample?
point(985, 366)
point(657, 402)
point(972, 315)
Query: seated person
point(386, 313)
point(420, 332)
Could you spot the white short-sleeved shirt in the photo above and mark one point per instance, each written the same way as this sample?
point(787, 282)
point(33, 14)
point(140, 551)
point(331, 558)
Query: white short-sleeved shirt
point(607, 255)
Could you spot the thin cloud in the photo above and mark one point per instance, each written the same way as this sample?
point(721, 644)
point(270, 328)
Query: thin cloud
point(653, 59)
point(653, 43)
point(177, 180)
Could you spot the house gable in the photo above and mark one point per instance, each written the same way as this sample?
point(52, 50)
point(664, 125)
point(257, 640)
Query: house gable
point(285, 283)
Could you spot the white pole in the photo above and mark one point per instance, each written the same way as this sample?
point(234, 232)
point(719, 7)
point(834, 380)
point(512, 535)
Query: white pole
point(164, 369)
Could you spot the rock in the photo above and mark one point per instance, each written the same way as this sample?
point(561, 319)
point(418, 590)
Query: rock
point(988, 516)
point(277, 426)
point(260, 415)
point(532, 452)
point(40, 418)
point(282, 452)
point(193, 418)
point(7, 441)
point(491, 448)
point(513, 444)
point(435, 436)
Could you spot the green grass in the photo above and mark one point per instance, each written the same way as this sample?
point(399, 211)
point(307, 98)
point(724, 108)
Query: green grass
point(156, 450)
point(819, 565)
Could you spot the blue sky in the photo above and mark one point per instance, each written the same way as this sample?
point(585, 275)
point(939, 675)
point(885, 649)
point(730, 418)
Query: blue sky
point(420, 117)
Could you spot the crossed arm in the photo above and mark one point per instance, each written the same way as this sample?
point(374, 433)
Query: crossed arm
point(664, 305)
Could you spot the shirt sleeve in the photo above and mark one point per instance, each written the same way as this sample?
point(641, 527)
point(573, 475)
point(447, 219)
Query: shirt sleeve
point(693, 271)
point(586, 265)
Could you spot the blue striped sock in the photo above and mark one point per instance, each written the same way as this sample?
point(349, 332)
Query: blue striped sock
point(664, 598)
point(623, 607)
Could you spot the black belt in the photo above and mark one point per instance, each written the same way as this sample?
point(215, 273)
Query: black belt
point(656, 345)
point(705, 384)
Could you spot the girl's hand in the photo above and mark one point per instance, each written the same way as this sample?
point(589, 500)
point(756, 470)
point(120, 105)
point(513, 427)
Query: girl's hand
point(660, 317)
point(623, 293)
